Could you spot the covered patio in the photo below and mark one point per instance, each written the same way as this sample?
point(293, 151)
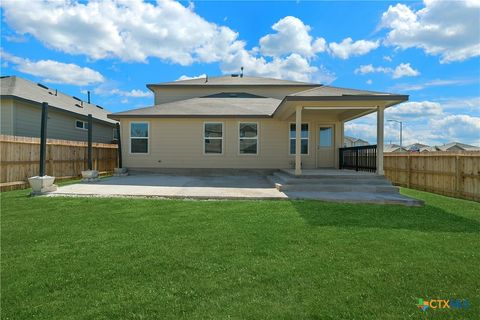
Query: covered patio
point(333, 107)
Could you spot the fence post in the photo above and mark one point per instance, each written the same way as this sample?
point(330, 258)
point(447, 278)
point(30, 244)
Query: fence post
point(89, 150)
point(409, 170)
point(457, 176)
point(356, 159)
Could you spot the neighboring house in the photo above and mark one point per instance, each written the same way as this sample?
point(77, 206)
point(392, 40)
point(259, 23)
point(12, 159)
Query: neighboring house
point(457, 146)
point(246, 123)
point(394, 148)
point(354, 142)
point(428, 149)
point(416, 147)
point(21, 109)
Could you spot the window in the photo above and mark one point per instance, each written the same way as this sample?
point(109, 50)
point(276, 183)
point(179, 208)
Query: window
point(213, 138)
point(325, 137)
point(79, 124)
point(139, 137)
point(248, 135)
point(304, 138)
point(115, 134)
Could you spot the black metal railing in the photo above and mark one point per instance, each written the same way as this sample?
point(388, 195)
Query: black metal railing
point(362, 158)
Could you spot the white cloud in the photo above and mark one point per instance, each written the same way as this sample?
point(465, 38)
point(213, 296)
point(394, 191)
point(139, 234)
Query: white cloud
point(450, 29)
point(414, 110)
point(433, 83)
point(54, 71)
point(107, 89)
point(368, 68)
point(402, 70)
point(462, 128)
point(185, 77)
point(128, 30)
point(292, 37)
point(369, 81)
point(387, 58)
point(461, 103)
point(293, 67)
point(347, 48)
point(423, 121)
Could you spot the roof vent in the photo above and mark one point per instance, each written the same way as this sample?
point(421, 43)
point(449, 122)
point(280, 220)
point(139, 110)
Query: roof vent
point(234, 75)
point(77, 105)
point(77, 98)
point(3, 77)
point(42, 86)
point(99, 106)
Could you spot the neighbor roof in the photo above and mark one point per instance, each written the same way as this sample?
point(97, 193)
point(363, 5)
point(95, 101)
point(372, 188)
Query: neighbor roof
point(207, 107)
point(234, 81)
point(460, 145)
point(17, 87)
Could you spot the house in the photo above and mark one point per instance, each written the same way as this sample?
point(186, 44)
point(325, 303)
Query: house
point(354, 142)
point(416, 147)
point(21, 108)
point(457, 146)
point(245, 122)
point(394, 148)
point(428, 149)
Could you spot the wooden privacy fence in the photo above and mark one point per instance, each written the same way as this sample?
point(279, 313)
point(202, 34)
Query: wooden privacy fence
point(19, 159)
point(451, 174)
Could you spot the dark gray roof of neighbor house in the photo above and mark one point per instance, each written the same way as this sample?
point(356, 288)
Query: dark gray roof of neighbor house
point(207, 107)
point(17, 87)
point(329, 91)
point(234, 81)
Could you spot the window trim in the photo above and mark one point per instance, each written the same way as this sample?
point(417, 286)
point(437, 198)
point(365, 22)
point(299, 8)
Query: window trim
point(222, 138)
point(307, 138)
point(130, 138)
point(84, 124)
point(256, 138)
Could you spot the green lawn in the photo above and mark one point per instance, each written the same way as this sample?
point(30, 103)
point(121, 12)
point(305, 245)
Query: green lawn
point(87, 258)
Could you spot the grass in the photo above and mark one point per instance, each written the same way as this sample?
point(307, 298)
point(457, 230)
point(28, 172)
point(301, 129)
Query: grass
point(92, 258)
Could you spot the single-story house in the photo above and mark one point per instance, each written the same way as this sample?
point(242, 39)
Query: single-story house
point(354, 142)
point(457, 146)
point(241, 122)
point(21, 109)
point(394, 148)
point(416, 147)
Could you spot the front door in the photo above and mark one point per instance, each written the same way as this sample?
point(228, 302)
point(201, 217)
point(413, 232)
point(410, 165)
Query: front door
point(325, 147)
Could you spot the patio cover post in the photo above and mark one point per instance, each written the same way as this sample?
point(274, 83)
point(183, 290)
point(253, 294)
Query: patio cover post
point(119, 144)
point(380, 128)
point(43, 138)
point(298, 141)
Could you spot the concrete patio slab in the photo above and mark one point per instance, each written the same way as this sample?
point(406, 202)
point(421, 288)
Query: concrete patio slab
point(175, 186)
point(214, 187)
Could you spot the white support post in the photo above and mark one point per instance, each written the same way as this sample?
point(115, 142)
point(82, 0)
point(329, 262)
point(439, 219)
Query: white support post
point(298, 141)
point(380, 128)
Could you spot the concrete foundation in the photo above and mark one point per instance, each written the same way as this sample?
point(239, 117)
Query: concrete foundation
point(90, 176)
point(42, 185)
point(120, 172)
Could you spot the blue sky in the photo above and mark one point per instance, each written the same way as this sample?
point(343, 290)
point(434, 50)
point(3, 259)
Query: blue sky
point(429, 50)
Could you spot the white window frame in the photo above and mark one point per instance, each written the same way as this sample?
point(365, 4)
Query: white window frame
point(84, 124)
point(307, 138)
point(214, 138)
point(130, 137)
point(249, 138)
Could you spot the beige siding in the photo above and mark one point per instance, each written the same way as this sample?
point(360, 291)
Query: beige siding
point(169, 94)
point(178, 143)
point(6, 117)
point(60, 125)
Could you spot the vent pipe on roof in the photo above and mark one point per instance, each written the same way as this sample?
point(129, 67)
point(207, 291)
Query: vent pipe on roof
point(88, 96)
point(206, 78)
point(241, 74)
point(56, 92)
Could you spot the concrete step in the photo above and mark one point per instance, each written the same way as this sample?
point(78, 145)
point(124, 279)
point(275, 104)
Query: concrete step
point(364, 180)
point(337, 188)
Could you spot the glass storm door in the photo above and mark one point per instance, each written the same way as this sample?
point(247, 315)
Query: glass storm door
point(325, 147)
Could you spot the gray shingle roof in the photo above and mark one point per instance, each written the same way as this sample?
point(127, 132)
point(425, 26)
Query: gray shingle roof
point(329, 91)
point(207, 107)
point(25, 89)
point(234, 81)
